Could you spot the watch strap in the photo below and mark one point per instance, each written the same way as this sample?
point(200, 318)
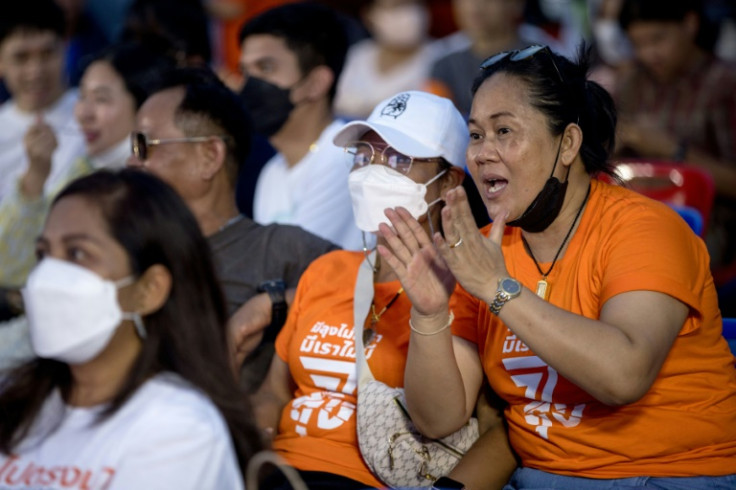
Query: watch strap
point(276, 290)
point(503, 296)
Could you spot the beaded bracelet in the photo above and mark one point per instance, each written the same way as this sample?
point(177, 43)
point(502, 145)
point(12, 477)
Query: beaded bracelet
point(449, 322)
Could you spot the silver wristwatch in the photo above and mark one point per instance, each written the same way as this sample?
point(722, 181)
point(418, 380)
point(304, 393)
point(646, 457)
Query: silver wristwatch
point(508, 289)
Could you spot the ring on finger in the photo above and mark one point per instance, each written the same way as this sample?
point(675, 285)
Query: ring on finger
point(457, 243)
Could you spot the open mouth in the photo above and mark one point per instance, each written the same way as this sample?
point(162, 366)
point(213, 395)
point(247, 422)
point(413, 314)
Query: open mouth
point(494, 186)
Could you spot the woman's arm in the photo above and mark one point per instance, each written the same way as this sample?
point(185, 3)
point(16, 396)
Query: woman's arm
point(489, 463)
point(443, 373)
point(615, 358)
point(442, 379)
point(273, 395)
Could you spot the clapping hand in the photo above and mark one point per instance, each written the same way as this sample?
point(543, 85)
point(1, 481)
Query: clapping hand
point(476, 261)
point(411, 254)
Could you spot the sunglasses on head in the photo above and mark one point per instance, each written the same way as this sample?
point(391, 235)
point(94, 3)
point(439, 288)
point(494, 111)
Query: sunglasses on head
point(139, 143)
point(522, 54)
point(528, 52)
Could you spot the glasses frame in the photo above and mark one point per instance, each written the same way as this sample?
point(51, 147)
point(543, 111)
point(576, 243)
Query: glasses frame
point(384, 159)
point(139, 143)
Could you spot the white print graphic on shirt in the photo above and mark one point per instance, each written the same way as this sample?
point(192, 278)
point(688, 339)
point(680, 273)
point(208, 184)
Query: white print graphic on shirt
point(336, 377)
point(512, 344)
point(539, 381)
point(330, 409)
point(16, 474)
point(341, 343)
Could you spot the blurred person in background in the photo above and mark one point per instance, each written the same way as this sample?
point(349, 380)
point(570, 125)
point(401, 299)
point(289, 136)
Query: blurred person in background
point(176, 28)
point(397, 56)
point(84, 37)
point(113, 86)
point(226, 19)
point(678, 103)
point(610, 43)
point(291, 59)
point(491, 26)
point(38, 119)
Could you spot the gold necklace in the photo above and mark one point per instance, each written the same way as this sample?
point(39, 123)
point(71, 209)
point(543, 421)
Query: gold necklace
point(375, 317)
point(542, 285)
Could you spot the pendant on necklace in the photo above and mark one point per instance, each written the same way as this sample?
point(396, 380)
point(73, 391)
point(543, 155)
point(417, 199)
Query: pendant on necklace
point(542, 288)
point(367, 336)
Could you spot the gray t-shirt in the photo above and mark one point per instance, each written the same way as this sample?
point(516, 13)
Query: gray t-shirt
point(246, 254)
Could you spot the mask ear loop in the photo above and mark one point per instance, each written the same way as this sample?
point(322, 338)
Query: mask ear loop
point(367, 251)
point(429, 206)
point(137, 320)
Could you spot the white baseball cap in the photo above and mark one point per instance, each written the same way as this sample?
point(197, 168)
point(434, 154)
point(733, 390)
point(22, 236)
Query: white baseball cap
point(417, 124)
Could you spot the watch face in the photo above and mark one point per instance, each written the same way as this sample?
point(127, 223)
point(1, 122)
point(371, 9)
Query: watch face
point(511, 286)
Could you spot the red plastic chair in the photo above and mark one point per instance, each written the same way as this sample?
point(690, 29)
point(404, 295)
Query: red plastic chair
point(677, 184)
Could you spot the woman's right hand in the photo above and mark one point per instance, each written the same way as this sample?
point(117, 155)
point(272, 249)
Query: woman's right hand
point(423, 273)
point(40, 143)
point(476, 261)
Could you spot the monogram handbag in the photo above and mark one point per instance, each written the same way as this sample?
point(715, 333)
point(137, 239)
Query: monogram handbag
point(391, 446)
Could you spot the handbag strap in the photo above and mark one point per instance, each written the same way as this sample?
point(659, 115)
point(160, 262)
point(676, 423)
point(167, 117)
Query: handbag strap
point(362, 299)
point(264, 457)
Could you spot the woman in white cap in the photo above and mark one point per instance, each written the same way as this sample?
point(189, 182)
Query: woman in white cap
point(409, 153)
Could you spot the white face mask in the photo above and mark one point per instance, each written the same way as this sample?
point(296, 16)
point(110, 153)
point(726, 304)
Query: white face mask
point(72, 312)
point(612, 43)
point(404, 26)
point(374, 188)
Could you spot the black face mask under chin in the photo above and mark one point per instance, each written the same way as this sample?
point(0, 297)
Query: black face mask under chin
point(269, 105)
point(546, 206)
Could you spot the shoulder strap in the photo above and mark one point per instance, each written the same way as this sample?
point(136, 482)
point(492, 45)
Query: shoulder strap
point(362, 299)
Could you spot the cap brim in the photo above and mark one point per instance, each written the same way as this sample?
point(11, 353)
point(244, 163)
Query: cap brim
point(354, 130)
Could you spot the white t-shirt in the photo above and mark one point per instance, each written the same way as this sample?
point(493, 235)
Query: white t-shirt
point(166, 436)
point(13, 126)
point(362, 86)
point(312, 194)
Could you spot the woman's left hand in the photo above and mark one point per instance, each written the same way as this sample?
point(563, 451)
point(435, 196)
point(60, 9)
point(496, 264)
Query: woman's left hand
point(411, 254)
point(476, 261)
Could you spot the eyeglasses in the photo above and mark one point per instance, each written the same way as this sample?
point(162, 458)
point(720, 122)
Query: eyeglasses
point(522, 54)
point(363, 153)
point(139, 143)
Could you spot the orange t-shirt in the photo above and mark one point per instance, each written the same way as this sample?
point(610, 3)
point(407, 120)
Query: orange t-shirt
point(317, 431)
point(686, 424)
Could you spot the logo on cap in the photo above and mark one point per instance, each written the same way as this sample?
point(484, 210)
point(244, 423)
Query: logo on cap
point(396, 106)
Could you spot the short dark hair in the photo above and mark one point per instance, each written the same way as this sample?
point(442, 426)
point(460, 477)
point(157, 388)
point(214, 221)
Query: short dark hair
point(31, 15)
point(560, 89)
point(314, 32)
point(177, 28)
point(186, 336)
point(139, 67)
point(669, 11)
point(209, 105)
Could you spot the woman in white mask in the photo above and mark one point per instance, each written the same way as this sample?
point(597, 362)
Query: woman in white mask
point(131, 386)
point(408, 153)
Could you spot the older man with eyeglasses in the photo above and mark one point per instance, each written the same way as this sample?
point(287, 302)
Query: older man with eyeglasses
point(194, 133)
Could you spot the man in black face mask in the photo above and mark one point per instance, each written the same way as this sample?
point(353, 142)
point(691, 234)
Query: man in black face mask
point(291, 59)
